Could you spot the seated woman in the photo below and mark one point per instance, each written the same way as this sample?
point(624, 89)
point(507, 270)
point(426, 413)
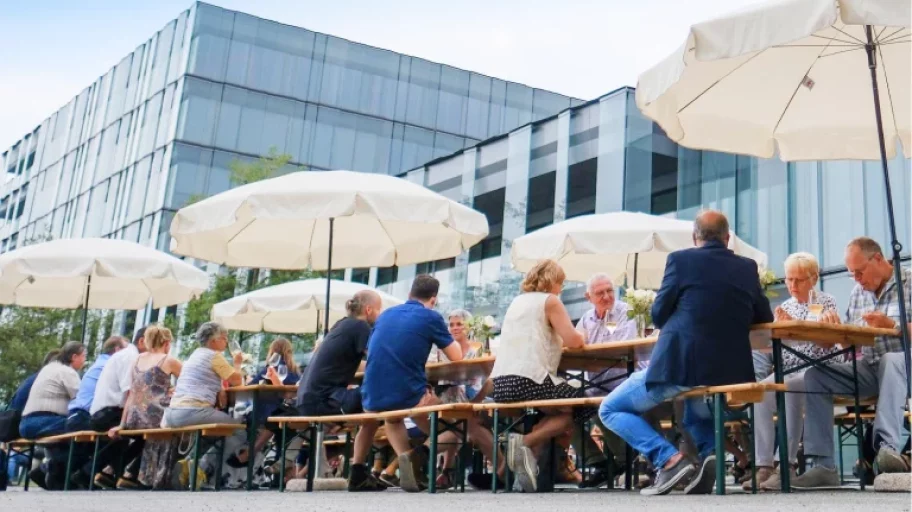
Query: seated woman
point(199, 389)
point(535, 329)
point(460, 392)
point(271, 404)
point(801, 275)
point(146, 403)
point(46, 409)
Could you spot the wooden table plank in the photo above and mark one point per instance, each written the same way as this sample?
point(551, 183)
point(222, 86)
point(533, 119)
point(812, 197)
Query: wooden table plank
point(823, 334)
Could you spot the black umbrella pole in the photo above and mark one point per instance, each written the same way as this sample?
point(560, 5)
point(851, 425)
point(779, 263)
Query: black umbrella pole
point(871, 50)
point(85, 308)
point(329, 268)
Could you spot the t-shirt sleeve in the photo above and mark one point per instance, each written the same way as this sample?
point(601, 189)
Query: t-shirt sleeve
point(71, 383)
point(221, 367)
point(125, 378)
point(440, 334)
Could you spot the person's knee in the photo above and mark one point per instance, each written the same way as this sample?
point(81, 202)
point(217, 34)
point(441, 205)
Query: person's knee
point(813, 380)
point(894, 361)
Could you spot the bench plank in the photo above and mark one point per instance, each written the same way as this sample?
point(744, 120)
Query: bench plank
point(445, 411)
point(208, 430)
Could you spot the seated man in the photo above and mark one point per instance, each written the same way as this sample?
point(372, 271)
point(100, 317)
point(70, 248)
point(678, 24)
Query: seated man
point(324, 389)
point(607, 321)
point(874, 302)
point(708, 301)
point(395, 378)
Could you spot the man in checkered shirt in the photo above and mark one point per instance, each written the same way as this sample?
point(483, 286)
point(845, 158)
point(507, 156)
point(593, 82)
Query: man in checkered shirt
point(874, 302)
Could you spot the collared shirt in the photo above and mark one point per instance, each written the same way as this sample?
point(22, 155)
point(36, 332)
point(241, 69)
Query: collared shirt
point(597, 332)
point(115, 379)
point(862, 302)
point(86, 391)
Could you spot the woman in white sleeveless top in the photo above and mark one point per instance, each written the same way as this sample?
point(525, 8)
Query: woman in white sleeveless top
point(535, 329)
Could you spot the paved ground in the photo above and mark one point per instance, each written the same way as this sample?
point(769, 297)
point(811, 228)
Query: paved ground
point(397, 501)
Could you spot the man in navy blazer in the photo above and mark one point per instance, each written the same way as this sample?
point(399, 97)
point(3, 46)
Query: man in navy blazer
point(708, 300)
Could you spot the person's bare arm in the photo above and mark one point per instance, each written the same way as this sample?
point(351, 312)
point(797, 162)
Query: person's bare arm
point(453, 352)
point(560, 322)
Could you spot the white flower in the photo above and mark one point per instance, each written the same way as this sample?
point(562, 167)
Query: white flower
point(640, 295)
point(489, 322)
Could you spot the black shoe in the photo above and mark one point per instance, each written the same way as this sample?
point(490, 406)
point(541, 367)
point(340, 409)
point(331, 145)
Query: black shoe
point(79, 480)
point(666, 479)
point(703, 481)
point(600, 476)
point(105, 481)
point(362, 481)
point(234, 462)
point(39, 477)
point(482, 481)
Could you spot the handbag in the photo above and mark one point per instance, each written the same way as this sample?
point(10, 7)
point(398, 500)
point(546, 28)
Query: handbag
point(9, 425)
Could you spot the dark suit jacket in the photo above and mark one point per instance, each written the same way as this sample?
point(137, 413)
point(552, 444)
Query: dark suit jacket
point(709, 298)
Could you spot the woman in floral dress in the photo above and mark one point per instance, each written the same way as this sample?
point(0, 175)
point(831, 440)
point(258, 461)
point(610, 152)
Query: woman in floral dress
point(149, 397)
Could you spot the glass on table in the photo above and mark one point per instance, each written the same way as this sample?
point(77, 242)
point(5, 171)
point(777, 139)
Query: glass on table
point(815, 308)
point(610, 326)
point(282, 371)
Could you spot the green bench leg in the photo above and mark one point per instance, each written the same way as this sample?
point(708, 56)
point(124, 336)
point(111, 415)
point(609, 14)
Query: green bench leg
point(221, 457)
point(719, 424)
point(282, 448)
point(94, 460)
point(496, 433)
point(432, 458)
point(781, 422)
point(859, 429)
point(753, 451)
point(28, 467)
point(465, 451)
point(349, 451)
point(312, 460)
point(69, 465)
point(196, 457)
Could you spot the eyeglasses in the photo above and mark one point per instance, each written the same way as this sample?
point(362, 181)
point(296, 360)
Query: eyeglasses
point(857, 273)
point(608, 292)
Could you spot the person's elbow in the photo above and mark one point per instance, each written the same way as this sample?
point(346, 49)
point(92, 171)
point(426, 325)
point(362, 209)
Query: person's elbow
point(575, 340)
point(453, 352)
point(236, 379)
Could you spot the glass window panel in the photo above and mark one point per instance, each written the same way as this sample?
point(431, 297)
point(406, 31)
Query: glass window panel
point(199, 111)
point(478, 105)
point(162, 58)
point(540, 206)
point(518, 106)
point(189, 172)
point(275, 124)
point(253, 116)
point(139, 189)
point(424, 92)
point(149, 128)
point(209, 48)
point(581, 180)
point(842, 213)
point(153, 189)
point(180, 33)
point(496, 119)
point(118, 95)
point(445, 144)
point(167, 110)
point(417, 147)
point(454, 92)
point(372, 145)
point(547, 103)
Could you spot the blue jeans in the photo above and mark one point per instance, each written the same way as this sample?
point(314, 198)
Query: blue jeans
point(621, 411)
point(35, 426)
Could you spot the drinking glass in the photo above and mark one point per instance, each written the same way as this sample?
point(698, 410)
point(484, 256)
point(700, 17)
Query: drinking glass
point(274, 360)
point(282, 370)
point(611, 326)
point(815, 308)
point(234, 347)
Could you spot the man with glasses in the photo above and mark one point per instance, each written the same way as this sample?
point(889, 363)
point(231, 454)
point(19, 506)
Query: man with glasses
point(606, 322)
point(874, 302)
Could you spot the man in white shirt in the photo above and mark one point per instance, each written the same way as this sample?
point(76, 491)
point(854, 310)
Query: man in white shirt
point(107, 409)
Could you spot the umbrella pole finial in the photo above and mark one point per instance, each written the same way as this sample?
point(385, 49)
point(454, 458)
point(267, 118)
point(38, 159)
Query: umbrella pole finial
point(871, 49)
point(328, 278)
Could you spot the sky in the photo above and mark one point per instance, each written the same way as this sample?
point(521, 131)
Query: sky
point(53, 49)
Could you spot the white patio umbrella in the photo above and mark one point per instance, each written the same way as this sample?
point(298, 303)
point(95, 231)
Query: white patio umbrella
point(96, 273)
point(619, 244)
point(804, 79)
point(322, 220)
point(295, 307)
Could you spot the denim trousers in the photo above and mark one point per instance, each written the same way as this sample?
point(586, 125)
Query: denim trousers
point(38, 425)
point(622, 412)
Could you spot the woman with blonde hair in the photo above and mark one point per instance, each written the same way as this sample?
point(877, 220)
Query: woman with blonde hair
point(536, 328)
point(147, 399)
point(801, 275)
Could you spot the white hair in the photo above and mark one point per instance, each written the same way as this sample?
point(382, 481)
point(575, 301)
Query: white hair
point(601, 276)
point(461, 313)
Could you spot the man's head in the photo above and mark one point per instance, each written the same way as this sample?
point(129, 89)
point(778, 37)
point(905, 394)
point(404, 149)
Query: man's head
point(365, 305)
point(139, 339)
point(212, 335)
point(424, 290)
point(864, 259)
point(600, 292)
point(710, 226)
point(113, 345)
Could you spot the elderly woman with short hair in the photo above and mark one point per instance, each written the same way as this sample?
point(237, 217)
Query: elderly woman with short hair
point(801, 275)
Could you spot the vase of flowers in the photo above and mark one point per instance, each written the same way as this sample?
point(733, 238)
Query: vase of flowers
point(767, 279)
point(640, 307)
point(481, 329)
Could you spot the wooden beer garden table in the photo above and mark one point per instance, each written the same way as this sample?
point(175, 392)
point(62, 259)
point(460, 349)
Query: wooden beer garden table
point(255, 390)
point(783, 335)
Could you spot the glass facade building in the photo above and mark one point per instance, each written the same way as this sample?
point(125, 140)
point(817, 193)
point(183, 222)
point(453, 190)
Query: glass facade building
point(216, 85)
point(606, 156)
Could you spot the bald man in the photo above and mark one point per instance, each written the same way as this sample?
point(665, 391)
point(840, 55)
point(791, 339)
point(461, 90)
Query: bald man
point(708, 301)
point(324, 388)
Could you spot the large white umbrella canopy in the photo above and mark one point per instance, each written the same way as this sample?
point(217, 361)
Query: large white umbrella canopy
point(116, 274)
point(293, 307)
point(788, 78)
point(283, 223)
point(618, 244)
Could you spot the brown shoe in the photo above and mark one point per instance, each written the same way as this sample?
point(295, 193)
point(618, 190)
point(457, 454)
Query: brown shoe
point(763, 474)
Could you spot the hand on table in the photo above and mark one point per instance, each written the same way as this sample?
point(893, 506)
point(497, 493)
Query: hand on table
point(781, 315)
point(878, 319)
point(829, 317)
point(114, 432)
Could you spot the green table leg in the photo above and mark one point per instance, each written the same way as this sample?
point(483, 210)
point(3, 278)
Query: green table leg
point(282, 448)
point(94, 460)
point(781, 421)
point(251, 439)
point(69, 466)
point(753, 453)
point(196, 456)
point(496, 433)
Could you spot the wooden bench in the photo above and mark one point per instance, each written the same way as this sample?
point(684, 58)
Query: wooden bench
point(82, 436)
point(216, 430)
point(436, 413)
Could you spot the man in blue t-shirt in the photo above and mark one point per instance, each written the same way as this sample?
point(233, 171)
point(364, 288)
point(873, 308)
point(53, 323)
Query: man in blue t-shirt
point(394, 378)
